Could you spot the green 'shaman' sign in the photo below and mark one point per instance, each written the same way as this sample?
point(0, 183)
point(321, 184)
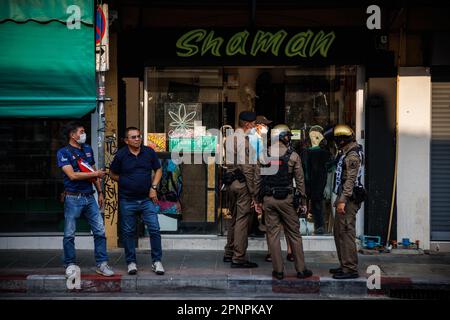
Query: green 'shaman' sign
point(305, 44)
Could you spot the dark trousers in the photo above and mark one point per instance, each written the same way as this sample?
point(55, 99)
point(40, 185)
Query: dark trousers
point(254, 226)
point(317, 212)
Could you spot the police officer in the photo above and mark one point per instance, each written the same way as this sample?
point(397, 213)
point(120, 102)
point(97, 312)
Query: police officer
point(258, 142)
point(275, 187)
point(347, 180)
point(239, 178)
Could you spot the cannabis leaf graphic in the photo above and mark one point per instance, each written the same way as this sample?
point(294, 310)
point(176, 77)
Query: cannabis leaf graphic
point(182, 121)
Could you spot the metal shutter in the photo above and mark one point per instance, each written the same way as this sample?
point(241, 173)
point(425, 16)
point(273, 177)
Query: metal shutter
point(440, 161)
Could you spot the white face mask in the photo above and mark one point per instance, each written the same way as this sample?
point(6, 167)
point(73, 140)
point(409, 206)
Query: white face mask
point(82, 138)
point(264, 130)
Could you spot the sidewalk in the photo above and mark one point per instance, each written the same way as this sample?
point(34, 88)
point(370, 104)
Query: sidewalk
point(404, 276)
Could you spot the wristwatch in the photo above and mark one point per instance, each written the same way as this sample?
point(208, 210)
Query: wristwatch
point(155, 187)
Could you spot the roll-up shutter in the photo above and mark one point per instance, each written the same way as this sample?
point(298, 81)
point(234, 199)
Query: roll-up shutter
point(440, 162)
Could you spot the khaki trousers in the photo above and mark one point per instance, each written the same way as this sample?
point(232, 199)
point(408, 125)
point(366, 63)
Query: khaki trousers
point(241, 218)
point(282, 213)
point(345, 236)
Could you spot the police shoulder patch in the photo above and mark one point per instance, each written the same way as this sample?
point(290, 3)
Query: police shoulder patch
point(353, 164)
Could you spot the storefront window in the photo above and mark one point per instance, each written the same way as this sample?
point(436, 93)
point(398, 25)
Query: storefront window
point(320, 96)
point(318, 99)
point(31, 181)
point(183, 103)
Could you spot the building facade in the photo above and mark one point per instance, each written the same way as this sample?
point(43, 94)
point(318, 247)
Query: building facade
point(195, 66)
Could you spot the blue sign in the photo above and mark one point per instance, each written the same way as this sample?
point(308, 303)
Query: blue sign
point(100, 25)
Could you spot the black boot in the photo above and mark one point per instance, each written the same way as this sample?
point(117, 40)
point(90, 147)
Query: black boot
point(336, 270)
point(304, 274)
point(278, 275)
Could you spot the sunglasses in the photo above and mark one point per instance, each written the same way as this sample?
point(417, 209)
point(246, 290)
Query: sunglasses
point(135, 137)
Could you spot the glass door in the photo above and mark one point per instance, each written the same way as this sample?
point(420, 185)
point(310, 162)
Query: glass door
point(316, 99)
point(181, 105)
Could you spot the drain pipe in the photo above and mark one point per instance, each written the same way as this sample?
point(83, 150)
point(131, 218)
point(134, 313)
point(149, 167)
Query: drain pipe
point(394, 187)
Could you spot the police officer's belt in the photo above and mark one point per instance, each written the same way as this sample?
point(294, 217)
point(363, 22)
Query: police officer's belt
point(229, 177)
point(279, 193)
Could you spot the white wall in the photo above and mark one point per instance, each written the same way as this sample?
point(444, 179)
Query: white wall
point(360, 127)
point(413, 176)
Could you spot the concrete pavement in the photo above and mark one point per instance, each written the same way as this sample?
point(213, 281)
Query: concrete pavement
point(35, 272)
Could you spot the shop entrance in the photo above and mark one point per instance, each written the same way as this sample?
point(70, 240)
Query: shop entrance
point(182, 104)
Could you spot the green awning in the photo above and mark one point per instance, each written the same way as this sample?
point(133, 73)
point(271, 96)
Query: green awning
point(46, 69)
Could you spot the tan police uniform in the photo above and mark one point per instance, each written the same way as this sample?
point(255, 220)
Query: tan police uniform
point(280, 213)
point(240, 195)
point(344, 224)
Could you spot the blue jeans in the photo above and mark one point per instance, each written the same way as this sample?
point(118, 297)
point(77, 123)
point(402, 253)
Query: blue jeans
point(74, 206)
point(128, 212)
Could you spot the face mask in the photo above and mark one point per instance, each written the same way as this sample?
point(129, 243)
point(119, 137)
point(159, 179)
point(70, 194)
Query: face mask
point(287, 141)
point(264, 130)
point(252, 131)
point(342, 142)
point(82, 138)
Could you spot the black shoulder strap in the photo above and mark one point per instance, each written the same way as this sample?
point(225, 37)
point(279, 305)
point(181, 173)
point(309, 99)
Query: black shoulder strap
point(77, 157)
point(68, 148)
point(288, 154)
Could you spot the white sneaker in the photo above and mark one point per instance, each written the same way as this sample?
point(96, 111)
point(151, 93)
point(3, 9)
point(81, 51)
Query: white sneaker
point(132, 269)
point(105, 270)
point(157, 267)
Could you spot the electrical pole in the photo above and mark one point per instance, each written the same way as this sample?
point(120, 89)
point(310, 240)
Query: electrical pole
point(101, 119)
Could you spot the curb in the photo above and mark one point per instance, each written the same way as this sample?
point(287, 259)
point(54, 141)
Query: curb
point(325, 286)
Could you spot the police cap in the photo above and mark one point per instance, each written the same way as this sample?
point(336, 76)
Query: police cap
point(247, 116)
point(263, 120)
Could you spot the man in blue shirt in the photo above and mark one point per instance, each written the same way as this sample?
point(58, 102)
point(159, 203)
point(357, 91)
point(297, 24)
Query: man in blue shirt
point(76, 160)
point(132, 167)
